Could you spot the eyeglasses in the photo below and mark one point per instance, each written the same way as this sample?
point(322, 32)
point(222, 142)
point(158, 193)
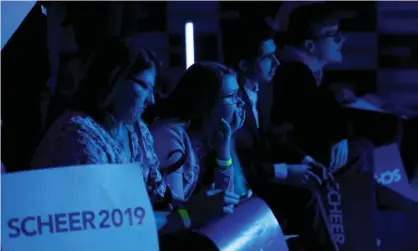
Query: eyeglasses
point(232, 99)
point(143, 85)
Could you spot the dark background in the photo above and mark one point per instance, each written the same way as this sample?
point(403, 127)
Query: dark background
point(380, 53)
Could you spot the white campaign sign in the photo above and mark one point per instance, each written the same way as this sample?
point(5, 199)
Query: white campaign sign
point(79, 208)
point(12, 15)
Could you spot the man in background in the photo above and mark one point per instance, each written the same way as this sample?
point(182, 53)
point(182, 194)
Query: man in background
point(261, 161)
point(321, 126)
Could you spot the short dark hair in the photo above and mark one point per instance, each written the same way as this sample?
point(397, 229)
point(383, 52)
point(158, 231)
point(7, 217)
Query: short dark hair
point(196, 93)
point(305, 21)
point(248, 35)
point(105, 70)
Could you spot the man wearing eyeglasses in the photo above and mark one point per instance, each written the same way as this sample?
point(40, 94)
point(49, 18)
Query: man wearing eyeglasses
point(313, 40)
point(271, 169)
point(321, 127)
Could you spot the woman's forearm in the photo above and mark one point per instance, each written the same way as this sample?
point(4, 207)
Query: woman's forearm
point(175, 182)
point(224, 178)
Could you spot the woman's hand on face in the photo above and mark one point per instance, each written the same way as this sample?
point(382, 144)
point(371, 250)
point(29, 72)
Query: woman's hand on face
point(239, 119)
point(221, 140)
point(210, 204)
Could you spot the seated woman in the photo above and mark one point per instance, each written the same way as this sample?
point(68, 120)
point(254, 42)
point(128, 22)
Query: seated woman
point(101, 122)
point(193, 135)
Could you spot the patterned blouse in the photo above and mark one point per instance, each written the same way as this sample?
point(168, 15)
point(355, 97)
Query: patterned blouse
point(76, 138)
point(170, 137)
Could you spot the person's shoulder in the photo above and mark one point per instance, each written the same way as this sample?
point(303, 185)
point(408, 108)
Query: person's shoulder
point(291, 72)
point(170, 136)
point(169, 124)
point(74, 138)
point(169, 129)
point(75, 125)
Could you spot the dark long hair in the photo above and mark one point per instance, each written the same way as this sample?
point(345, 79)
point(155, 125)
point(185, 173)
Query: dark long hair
point(196, 93)
point(105, 71)
point(245, 42)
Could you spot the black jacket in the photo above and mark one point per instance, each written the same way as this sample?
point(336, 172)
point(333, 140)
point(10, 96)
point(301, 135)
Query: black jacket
point(318, 119)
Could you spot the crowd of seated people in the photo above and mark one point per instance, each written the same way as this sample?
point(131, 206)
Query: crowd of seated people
point(223, 132)
point(273, 169)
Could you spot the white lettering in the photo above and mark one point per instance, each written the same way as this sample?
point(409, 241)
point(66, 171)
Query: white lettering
point(388, 177)
point(335, 213)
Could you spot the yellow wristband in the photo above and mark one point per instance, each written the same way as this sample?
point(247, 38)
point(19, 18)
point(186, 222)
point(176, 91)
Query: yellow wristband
point(185, 217)
point(224, 163)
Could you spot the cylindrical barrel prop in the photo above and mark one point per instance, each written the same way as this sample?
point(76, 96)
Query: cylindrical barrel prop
point(252, 227)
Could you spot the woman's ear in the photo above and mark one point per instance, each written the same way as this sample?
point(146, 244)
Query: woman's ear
point(309, 46)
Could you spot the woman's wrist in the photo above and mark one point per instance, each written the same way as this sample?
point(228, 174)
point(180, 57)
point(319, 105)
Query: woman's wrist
point(224, 162)
point(223, 155)
point(185, 217)
point(194, 216)
point(223, 152)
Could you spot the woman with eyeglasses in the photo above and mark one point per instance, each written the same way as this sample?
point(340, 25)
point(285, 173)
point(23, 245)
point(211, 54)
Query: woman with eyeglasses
point(100, 123)
point(193, 134)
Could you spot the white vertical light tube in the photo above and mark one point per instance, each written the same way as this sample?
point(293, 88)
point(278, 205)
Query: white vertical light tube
point(189, 33)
